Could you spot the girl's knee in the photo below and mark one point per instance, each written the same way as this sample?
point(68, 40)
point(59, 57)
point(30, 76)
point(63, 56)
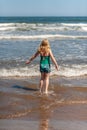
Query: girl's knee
point(42, 76)
point(46, 76)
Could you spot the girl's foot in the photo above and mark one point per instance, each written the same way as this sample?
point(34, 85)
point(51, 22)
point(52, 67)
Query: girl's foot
point(46, 92)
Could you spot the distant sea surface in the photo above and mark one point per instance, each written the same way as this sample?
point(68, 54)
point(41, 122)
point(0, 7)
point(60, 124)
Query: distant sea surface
point(21, 36)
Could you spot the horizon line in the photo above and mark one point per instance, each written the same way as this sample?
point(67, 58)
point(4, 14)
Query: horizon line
point(43, 16)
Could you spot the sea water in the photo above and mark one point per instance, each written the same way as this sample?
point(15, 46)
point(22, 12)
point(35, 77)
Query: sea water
point(20, 38)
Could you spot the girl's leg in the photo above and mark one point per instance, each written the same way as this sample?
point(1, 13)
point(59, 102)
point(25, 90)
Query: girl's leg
point(46, 78)
point(41, 82)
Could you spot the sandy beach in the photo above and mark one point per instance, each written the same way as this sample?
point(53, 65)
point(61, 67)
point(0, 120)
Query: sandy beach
point(44, 125)
point(22, 107)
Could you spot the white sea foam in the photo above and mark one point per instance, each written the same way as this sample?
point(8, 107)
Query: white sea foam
point(26, 37)
point(74, 71)
point(77, 26)
point(74, 24)
point(22, 72)
point(39, 26)
point(21, 28)
point(6, 24)
point(7, 28)
point(84, 29)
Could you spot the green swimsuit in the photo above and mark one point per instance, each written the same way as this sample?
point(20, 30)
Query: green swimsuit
point(45, 64)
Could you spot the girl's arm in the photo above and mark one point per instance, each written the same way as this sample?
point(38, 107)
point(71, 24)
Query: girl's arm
point(53, 59)
point(33, 57)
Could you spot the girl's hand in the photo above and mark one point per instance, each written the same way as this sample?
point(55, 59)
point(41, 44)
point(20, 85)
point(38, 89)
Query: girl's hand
point(57, 67)
point(27, 62)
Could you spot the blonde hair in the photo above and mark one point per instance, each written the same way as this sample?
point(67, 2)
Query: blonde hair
point(44, 46)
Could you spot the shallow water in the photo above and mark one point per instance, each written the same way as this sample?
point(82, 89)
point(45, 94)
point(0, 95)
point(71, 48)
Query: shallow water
point(20, 99)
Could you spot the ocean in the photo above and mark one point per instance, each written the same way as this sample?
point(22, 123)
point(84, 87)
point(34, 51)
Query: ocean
point(21, 36)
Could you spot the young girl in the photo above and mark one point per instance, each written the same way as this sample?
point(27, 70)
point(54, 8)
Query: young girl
point(45, 53)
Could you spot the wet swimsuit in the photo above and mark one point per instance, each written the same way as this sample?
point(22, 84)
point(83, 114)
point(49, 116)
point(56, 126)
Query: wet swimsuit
point(45, 64)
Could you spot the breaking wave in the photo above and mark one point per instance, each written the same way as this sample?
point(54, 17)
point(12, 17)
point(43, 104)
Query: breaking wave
point(65, 71)
point(26, 37)
point(42, 26)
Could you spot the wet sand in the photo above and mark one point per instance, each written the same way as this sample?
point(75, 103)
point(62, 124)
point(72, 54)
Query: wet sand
point(22, 107)
point(44, 125)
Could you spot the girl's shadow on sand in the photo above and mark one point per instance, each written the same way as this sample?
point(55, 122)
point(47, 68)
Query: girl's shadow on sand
point(24, 88)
